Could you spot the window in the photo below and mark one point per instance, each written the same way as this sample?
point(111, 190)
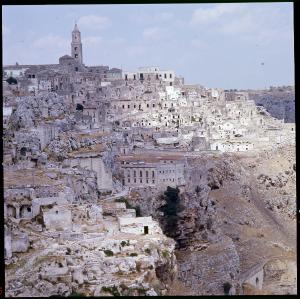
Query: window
point(141, 180)
point(170, 75)
point(165, 76)
point(134, 173)
point(147, 173)
point(75, 48)
point(76, 55)
point(123, 106)
point(126, 77)
point(128, 106)
point(134, 180)
point(128, 180)
point(141, 174)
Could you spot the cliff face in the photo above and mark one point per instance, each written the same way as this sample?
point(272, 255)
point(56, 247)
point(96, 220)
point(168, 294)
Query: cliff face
point(280, 104)
point(226, 221)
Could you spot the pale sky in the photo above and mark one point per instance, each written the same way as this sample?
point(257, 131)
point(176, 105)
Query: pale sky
point(246, 45)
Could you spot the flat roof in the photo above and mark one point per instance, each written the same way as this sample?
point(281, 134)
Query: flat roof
point(149, 158)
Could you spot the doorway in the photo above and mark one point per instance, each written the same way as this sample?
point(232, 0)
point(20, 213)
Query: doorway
point(146, 230)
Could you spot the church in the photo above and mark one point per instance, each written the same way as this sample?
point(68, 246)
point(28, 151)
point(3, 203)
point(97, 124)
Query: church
point(67, 64)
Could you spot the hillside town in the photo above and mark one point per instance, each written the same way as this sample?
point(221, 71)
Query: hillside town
point(80, 141)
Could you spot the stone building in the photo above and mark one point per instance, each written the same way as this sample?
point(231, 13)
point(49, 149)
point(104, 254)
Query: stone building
point(138, 226)
point(152, 170)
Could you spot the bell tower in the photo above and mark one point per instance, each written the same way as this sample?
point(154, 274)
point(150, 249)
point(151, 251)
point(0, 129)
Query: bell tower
point(76, 45)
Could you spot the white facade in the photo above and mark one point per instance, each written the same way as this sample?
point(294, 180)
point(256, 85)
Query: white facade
point(138, 226)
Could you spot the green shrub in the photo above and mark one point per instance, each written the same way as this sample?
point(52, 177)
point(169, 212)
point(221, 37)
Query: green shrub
point(165, 254)
point(133, 254)
point(112, 290)
point(125, 243)
point(108, 252)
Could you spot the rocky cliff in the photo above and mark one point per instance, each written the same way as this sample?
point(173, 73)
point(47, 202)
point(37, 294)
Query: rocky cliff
point(228, 220)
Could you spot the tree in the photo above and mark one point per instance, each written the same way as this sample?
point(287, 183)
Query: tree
point(170, 210)
point(12, 80)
